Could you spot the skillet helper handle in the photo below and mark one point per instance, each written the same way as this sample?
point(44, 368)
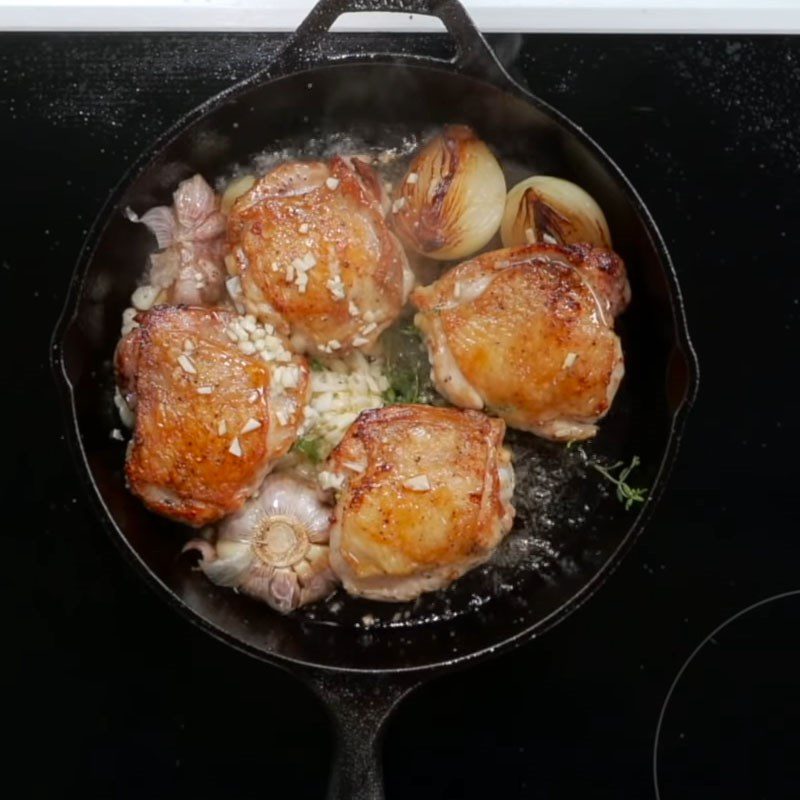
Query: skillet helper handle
point(473, 54)
point(359, 706)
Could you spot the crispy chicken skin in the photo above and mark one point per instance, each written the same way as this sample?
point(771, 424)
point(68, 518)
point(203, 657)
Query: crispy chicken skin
point(314, 254)
point(425, 497)
point(527, 333)
point(205, 433)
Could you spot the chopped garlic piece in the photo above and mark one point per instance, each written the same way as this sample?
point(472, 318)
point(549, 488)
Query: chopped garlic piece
point(129, 320)
point(419, 483)
point(222, 428)
point(251, 425)
point(205, 389)
point(352, 465)
point(187, 364)
point(288, 377)
point(303, 228)
point(234, 286)
point(336, 288)
point(332, 183)
point(412, 178)
point(569, 360)
point(144, 297)
point(330, 480)
point(235, 449)
point(530, 236)
point(398, 204)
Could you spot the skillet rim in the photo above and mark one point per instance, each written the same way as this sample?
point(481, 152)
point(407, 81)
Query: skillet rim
point(682, 347)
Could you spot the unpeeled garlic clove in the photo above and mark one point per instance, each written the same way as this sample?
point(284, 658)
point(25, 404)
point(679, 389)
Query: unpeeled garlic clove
point(192, 217)
point(160, 221)
point(194, 202)
point(450, 202)
point(549, 210)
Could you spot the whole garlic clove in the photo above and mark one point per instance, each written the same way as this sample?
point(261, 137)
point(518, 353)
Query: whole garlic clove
point(450, 202)
point(545, 209)
point(234, 190)
point(194, 201)
point(160, 221)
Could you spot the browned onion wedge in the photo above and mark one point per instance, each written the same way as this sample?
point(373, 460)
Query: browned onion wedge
point(451, 200)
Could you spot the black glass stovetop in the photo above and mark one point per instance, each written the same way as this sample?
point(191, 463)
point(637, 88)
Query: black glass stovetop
point(679, 680)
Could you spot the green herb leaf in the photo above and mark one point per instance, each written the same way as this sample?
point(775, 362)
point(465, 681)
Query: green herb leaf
point(311, 448)
point(625, 493)
point(317, 365)
point(406, 366)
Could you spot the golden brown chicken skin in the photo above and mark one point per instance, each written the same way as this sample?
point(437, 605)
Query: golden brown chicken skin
point(424, 496)
point(314, 253)
point(528, 333)
point(206, 433)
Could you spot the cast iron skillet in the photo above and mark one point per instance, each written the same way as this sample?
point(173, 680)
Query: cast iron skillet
point(361, 673)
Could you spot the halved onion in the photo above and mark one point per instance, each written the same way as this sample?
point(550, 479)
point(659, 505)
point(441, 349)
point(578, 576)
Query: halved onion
point(555, 211)
point(451, 200)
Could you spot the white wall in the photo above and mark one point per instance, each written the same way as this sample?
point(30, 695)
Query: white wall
point(745, 16)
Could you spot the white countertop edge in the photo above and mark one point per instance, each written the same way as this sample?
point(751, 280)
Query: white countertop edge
point(497, 18)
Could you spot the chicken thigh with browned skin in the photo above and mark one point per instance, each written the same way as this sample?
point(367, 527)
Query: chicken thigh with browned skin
point(423, 496)
point(213, 412)
point(314, 254)
point(528, 334)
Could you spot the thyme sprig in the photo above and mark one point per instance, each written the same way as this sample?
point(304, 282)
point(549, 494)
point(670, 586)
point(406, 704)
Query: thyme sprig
point(627, 494)
point(406, 366)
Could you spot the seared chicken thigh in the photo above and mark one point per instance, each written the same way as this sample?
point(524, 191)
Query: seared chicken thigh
point(314, 254)
point(424, 496)
point(211, 418)
point(528, 333)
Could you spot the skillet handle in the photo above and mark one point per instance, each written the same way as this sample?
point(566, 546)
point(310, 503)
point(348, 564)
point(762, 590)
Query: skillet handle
point(359, 706)
point(473, 55)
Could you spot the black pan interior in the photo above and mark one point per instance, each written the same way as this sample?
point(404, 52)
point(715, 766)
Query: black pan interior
point(570, 528)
